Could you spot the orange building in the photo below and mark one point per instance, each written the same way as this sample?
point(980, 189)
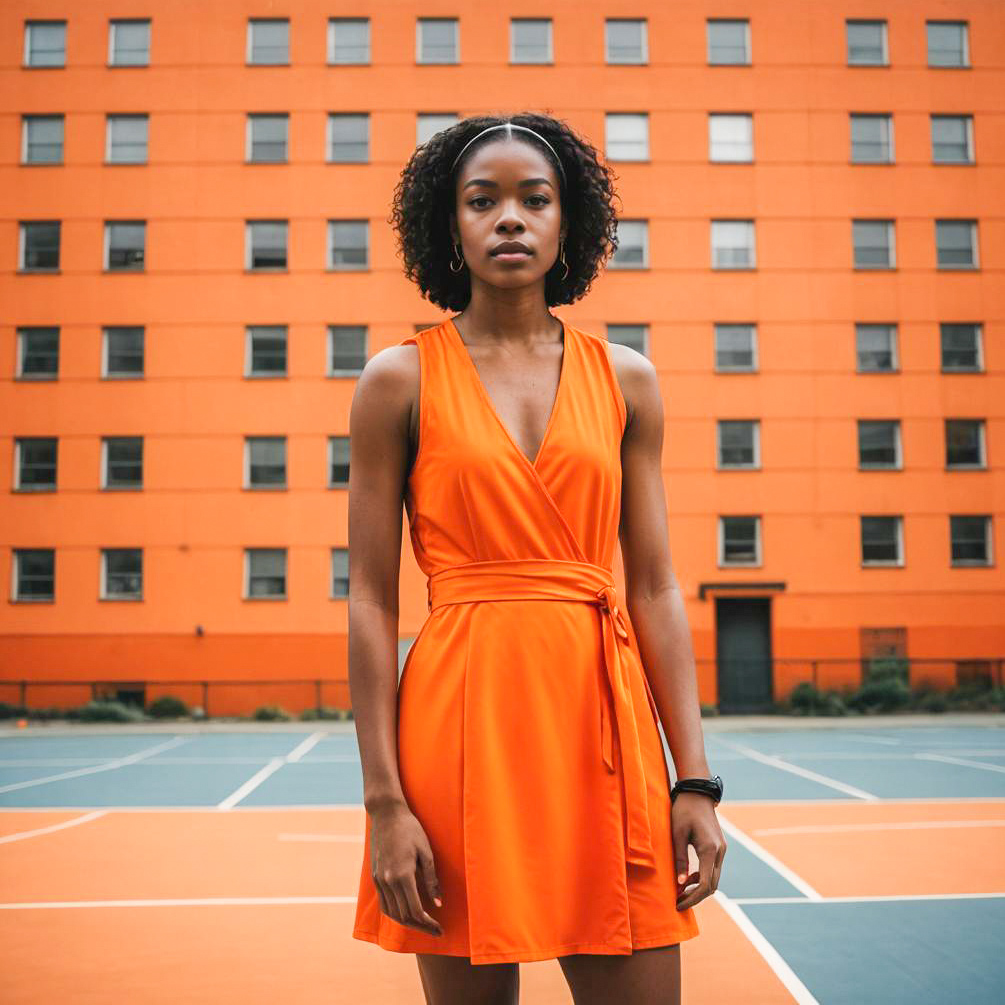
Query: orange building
point(196, 263)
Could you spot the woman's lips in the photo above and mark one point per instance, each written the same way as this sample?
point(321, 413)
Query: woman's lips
point(511, 256)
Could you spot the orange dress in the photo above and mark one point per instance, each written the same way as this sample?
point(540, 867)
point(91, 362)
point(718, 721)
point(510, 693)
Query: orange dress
point(528, 745)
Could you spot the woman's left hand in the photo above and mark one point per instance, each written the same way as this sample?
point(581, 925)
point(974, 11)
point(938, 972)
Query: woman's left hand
point(693, 821)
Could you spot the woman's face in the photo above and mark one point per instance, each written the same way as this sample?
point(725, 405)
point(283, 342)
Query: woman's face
point(507, 190)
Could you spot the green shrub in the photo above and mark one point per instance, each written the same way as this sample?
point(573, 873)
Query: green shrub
point(108, 711)
point(706, 710)
point(8, 711)
point(271, 713)
point(325, 712)
point(167, 706)
point(887, 693)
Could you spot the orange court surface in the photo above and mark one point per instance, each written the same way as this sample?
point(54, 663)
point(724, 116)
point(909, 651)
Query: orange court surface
point(204, 863)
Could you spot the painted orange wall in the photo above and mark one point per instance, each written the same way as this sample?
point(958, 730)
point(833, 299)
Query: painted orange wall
point(194, 408)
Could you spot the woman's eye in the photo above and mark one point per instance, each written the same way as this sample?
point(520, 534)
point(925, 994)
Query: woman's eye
point(480, 198)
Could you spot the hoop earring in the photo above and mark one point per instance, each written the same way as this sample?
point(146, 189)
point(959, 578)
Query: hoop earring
point(561, 257)
point(460, 261)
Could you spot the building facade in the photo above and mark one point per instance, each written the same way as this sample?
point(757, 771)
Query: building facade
point(196, 264)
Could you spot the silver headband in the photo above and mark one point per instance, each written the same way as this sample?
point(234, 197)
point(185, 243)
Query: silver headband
point(510, 126)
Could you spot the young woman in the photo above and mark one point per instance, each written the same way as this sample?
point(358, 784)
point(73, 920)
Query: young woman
point(518, 801)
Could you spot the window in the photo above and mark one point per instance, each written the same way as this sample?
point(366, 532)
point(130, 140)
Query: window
point(626, 40)
point(952, 139)
point(265, 462)
point(268, 138)
point(962, 350)
point(948, 44)
point(728, 42)
point(633, 245)
point(122, 462)
point(739, 540)
point(530, 40)
point(34, 574)
point(129, 43)
point(731, 137)
point(348, 41)
point(265, 574)
point(879, 444)
point(428, 124)
point(338, 462)
point(628, 136)
point(41, 139)
point(866, 42)
point(37, 353)
point(348, 138)
point(871, 139)
point(121, 574)
point(124, 245)
point(735, 348)
point(956, 244)
point(346, 350)
point(265, 244)
point(268, 42)
point(970, 540)
point(738, 443)
point(873, 243)
point(340, 573)
point(882, 540)
point(733, 244)
point(965, 445)
point(39, 250)
point(45, 43)
point(35, 463)
point(266, 351)
point(634, 336)
point(876, 348)
point(437, 40)
point(123, 352)
point(126, 139)
point(348, 244)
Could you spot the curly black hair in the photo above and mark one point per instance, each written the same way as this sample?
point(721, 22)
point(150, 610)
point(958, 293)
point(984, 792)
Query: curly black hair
point(425, 198)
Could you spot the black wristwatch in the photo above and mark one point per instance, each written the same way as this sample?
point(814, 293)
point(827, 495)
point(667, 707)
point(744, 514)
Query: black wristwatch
point(706, 786)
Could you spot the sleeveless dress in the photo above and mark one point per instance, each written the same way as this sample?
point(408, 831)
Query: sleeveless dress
point(528, 745)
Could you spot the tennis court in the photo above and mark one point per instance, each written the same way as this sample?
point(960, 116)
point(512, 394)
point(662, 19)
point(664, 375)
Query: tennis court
point(211, 862)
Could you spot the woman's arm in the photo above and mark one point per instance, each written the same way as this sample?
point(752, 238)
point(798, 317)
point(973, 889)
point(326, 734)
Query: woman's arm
point(657, 612)
point(401, 860)
point(652, 594)
point(378, 457)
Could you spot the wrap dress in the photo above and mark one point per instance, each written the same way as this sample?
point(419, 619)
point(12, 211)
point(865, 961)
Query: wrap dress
point(528, 744)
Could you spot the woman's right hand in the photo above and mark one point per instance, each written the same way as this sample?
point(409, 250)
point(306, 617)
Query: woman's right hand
point(399, 850)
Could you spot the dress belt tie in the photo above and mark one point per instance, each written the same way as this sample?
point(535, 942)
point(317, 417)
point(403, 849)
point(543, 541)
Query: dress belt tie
point(559, 579)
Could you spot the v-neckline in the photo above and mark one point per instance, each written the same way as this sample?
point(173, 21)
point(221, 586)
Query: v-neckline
point(483, 392)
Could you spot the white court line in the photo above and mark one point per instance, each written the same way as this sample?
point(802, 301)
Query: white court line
point(21, 835)
point(863, 738)
point(869, 899)
point(107, 766)
point(777, 762)
point(311, 741)
point(800, 993)
point(767, 858)
point(961, 760)
point(907, 826)
point(271, 768)
point(177, 902)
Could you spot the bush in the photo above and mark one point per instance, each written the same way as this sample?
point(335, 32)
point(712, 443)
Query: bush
point(167, 706)
point(271, 713)
point(8, 711)
point(709, 710)
point(885, 693)
point(107, 711)
point(325, 712)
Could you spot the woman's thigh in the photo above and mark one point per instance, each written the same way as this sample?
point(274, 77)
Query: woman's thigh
point(646, 977)
point(454, 980)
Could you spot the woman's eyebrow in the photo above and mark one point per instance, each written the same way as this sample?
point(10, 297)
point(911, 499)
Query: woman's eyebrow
point(495, 184)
